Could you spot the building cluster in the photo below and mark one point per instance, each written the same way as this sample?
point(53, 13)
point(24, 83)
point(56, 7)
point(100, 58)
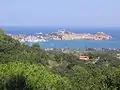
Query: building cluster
point(27, 38)
point(60, 35)
point(65, 35)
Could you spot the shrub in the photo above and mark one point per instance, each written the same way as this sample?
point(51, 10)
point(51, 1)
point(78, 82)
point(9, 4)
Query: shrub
point(17, 82)
point(31, 76)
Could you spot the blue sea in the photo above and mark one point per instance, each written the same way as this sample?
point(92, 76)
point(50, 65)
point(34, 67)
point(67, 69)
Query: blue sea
point(113, 43)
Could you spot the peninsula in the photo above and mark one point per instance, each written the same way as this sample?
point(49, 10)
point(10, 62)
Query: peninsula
point(60, 35)
point(66, 35)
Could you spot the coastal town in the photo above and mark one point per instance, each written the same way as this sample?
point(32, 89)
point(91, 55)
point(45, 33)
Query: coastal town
point(62, 34)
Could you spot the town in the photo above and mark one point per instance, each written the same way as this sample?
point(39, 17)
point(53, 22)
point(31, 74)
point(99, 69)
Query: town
point(62, 34)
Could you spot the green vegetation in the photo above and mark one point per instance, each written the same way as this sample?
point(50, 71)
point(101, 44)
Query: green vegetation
point(25, 67)
point(30, 76)
point(36, 45)
point(1, 31)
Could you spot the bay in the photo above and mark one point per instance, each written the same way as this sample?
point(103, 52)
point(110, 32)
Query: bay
point(113, 43)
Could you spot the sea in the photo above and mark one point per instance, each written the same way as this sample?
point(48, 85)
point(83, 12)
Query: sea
point(113, 31)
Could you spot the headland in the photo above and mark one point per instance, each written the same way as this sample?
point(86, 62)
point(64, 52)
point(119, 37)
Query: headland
point(61, 34)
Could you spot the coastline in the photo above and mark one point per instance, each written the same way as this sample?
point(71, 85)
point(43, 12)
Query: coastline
point(60, 35)
point(77, 43)
point(80, 44)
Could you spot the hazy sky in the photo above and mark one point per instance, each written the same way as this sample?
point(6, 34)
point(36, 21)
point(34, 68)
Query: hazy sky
point(83, 13)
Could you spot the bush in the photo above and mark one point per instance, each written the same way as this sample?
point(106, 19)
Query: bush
point(17, 82)
point(16, 75)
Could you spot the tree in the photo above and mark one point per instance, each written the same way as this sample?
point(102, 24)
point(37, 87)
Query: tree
point(1, 31)
point(36, 45)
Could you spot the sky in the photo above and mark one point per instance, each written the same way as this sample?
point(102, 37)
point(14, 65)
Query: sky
point(82, 13)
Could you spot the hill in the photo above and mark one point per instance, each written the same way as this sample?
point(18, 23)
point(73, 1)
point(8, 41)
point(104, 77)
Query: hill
point(25, 67)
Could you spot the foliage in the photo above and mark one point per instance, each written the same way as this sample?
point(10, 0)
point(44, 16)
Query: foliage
point(1, 31)
point(18, 75)
point(104, 58)
point(36, 45)
point(17, 82)
point(25, 67)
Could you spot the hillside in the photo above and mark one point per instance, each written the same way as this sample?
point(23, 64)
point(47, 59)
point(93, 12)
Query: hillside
point(31, 68)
